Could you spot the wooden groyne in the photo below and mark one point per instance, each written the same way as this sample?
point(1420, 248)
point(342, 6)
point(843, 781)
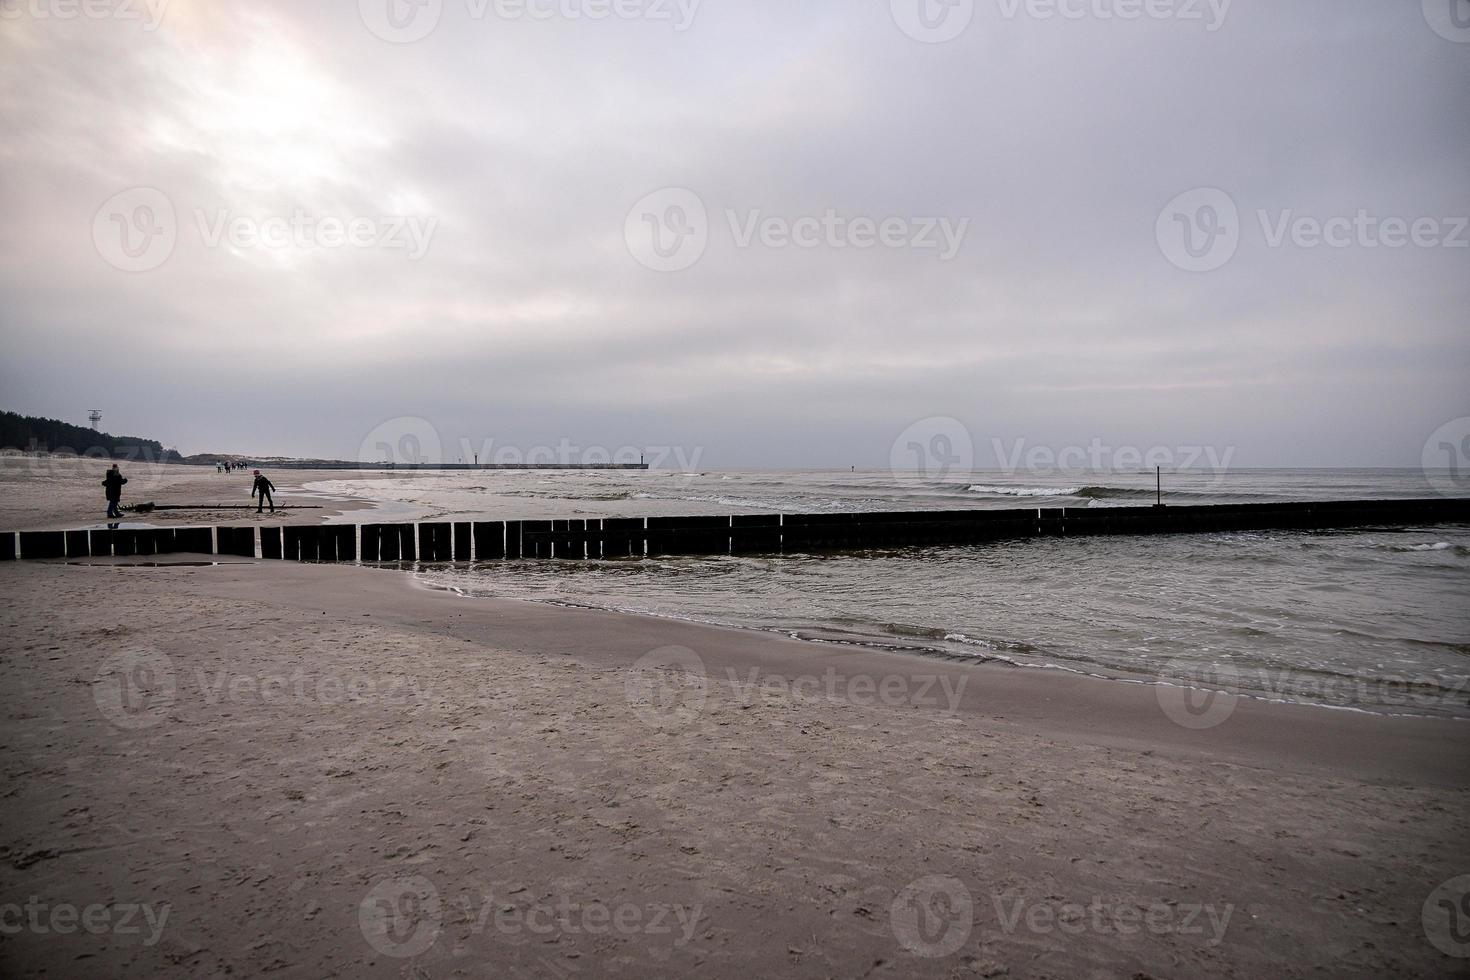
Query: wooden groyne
point(612, 537)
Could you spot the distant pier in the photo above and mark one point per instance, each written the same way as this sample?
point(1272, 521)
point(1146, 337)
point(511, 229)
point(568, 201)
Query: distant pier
point(633, 537)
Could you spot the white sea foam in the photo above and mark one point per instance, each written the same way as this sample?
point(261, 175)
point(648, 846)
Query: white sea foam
point(1025, 491)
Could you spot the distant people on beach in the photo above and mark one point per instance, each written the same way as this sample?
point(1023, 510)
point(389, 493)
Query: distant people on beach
point(262, 488)
point(113, 484)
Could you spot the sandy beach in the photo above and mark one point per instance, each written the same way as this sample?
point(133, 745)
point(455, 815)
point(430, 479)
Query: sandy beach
point(243, 768)
point(820, 490)
point(41, 493)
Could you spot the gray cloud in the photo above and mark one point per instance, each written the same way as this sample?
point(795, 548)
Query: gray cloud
point(529, 320)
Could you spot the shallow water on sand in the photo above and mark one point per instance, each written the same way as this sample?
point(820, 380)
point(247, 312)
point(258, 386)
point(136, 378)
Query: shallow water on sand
point(1368, 619)
point(510, 494)
point(1371, 619)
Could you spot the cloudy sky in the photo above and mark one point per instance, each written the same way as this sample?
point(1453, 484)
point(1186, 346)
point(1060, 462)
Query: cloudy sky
point(781, 233)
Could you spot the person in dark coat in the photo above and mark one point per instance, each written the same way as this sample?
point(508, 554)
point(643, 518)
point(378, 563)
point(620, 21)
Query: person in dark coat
point(262, 488)
point(113, 484)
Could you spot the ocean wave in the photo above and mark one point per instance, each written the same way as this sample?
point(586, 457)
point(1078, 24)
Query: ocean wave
point(1095, 492)
point(1029, 491)
point(1458, 550)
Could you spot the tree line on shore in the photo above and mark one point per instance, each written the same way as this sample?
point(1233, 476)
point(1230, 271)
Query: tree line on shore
point(30, 433)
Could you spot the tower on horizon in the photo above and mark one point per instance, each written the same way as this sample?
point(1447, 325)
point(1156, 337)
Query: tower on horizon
point(94, 416)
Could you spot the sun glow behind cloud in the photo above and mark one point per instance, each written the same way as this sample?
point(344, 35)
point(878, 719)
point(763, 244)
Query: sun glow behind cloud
point(265, 121)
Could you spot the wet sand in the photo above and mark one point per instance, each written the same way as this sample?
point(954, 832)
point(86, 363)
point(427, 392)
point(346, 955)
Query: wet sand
point(323, 770)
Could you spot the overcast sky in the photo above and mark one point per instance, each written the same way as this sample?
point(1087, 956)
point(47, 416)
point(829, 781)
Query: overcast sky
point(530, 229)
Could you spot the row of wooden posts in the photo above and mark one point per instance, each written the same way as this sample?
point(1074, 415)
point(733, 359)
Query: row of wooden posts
point(740, 534)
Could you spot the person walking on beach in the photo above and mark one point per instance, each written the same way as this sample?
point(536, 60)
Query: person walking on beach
point(263, 488)
point(113, 484)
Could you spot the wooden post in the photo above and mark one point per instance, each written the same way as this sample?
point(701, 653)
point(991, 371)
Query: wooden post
point(372, 536)
point(346, 541)
point(489, 540)
point(42, 544)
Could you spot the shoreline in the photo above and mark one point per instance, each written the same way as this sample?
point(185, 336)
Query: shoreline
point(916, 650)
point(1093, 704)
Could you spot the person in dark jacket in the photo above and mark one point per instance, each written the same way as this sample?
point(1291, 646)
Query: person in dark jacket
point(113, 484)
point(262, 488)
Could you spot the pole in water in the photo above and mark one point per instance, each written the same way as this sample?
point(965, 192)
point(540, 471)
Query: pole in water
point(1159, 485)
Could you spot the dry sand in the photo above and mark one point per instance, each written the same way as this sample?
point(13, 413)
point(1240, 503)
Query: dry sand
point(310, 771)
